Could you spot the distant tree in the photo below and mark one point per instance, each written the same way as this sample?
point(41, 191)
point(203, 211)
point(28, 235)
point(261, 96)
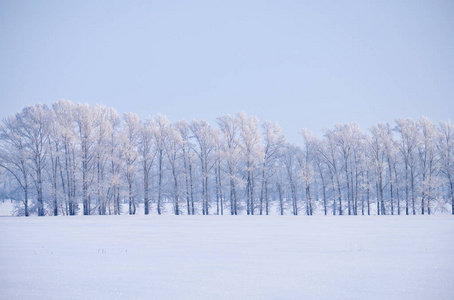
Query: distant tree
point(13, 156)
point(330, 154)
point(53, 160)
point(147, 153)
point(103, 130)
point(130, 140)
point(114, 157)
point(322, 170)
point(343, 136)
point(378, 153)
point(173, 145)
point(85, 119)
point(65, 131)
point(34, 127)
point(281, 178)
point(205, 141)
point(55, 146)
point(187, 149)
point(307, 172)
point(409, 132)
point(229, 129)
point(252, 154)
point(217, 174)
point(273, 141)
point(289, 159)
point(445, 147)
point(390, 152)
point(160, 123)
point(428, 158)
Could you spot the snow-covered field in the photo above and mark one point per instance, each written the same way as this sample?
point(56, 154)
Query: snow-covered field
point(225, 257)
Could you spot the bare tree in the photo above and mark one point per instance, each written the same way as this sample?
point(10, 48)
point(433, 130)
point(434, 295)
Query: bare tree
point(330, 156)
point(289, 159)
point(160, 123)
point(103, 130)
point(115, 157)
point(322, 170)
point(147, 152)
point(378, 153)
point(408, 131)
point(55, 146)
point(131, 127)
point(13, 156)
point(307, 172)
point(52, 159)
point(252, 154)
point(445, 147)
point(217, 174)
point(273, 142)
point(229, 130)
point(63, 114)
point(188, 165)
point(85, 120)
point(204, 135)
point(173, 144)
point(390, 152)
point(34, 125)
point(428, 158)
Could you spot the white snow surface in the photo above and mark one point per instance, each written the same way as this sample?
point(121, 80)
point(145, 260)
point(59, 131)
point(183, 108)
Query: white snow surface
point(227, 257)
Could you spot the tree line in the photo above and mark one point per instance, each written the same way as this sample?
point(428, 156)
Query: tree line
point(72, 158)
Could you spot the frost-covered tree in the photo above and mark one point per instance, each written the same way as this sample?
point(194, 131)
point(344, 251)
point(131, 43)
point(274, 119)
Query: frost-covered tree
point(290, 163)
point(160, 123)
point(384, 135)
point(14, 158)
point(103, 130)
point(305, 160)
point(85, 119)
point(65, 127)
point(428, 158)
point(330, 154)
point(342, 136)
point(409, 133)
point(232, 153)
point(252, 154)
point(53, 160)
point(147, 152)
point(173, 146)
point(378, 153)
point(322, 170)
point(130, 140)
point(115, 156)
point(34, 127)
point(445, 146)
point(205, 145)
point(54, 166)
point(187, 149)
point(218, 175)
point(273, 141)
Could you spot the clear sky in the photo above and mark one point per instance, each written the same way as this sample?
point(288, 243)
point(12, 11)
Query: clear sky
point(304, 64)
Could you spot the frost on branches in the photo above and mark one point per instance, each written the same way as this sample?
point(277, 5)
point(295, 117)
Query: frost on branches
point(73, 159)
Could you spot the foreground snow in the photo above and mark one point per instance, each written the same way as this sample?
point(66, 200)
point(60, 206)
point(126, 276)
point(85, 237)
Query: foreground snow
point(225, 257)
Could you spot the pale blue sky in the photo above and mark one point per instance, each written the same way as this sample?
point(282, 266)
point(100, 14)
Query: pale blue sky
point(301, 63)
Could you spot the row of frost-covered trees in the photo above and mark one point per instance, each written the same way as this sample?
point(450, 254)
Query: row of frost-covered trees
point(71, 159)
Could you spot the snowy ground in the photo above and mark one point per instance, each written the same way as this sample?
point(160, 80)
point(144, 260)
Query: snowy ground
point(225, 257)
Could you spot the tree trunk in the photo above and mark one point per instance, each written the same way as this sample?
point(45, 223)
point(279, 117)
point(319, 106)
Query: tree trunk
point(160, 181)
point(281, 200)
point(406, 188)
point(146, 200)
